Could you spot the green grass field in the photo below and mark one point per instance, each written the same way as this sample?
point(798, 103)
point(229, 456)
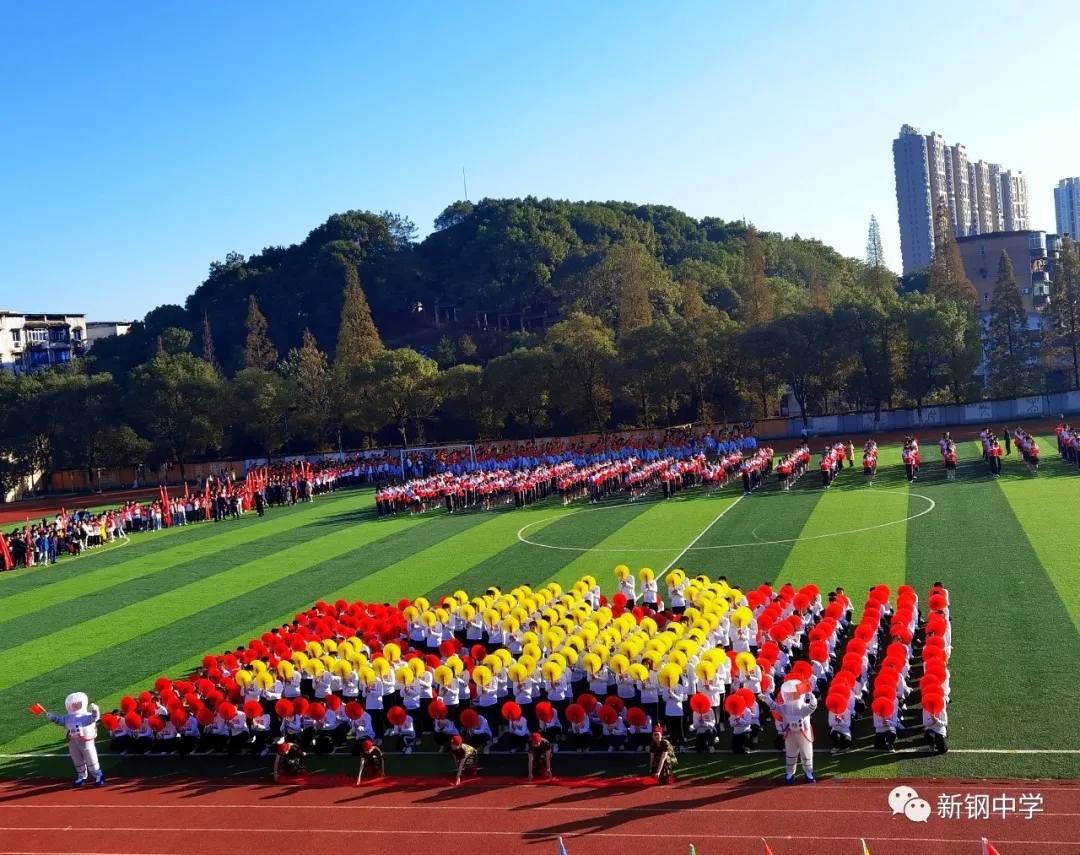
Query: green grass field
point(110, 622)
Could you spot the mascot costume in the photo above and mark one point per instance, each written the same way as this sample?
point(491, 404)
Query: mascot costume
point(81, 725)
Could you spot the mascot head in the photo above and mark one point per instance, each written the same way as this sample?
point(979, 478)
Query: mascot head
point(77, 702)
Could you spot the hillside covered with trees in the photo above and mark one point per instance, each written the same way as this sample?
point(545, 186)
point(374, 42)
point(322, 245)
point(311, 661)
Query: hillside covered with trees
point(517, 317)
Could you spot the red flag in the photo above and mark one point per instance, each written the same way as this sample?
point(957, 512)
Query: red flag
point(29, 544)
point(5, 553)
point(988, 848)
point(767, 850)
point(166, 513)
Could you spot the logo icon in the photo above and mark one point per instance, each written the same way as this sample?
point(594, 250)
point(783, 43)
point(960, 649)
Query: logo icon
point(904, 800)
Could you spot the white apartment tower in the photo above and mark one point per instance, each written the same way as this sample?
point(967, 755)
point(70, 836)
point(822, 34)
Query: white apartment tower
point(1067, 207)
point(982, 197)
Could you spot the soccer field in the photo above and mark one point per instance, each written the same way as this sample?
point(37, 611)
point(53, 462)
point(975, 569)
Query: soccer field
point(110, 622)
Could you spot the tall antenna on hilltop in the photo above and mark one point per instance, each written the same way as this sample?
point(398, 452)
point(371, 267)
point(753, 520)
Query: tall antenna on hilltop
point(464, 184)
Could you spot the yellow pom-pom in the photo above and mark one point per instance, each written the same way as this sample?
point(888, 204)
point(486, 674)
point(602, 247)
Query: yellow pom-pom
point(422, 603)
point(392, 652)
point(343, 668)
point(264, 680)
point(243, 678)
point(741, 617)
point(443, 675)
point(455, 663)
point(645, 574)
point(639, 672)
point(621, 572)
point(620, 664)
point(418, 666)
point(517, 673)
point(286, 669)
point(481, 675)
point(258, 666)
point(329, 645)
point(670, 675)
point(314, 649)
point(299, 658)
point(504, 656)
point(745, 662)
point(551, 672)
point(314, 667)
point(705, 670)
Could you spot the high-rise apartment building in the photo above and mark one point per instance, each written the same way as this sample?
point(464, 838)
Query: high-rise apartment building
point(1067, 207)
point(913, 198)
point(981, 197)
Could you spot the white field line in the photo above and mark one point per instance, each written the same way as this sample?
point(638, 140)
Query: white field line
point(705, 531)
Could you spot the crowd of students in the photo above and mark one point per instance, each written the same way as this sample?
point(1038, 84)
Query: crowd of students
point(573, 670)
point(215, 498)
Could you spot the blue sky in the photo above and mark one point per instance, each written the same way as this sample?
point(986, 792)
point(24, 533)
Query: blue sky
point(138, 144)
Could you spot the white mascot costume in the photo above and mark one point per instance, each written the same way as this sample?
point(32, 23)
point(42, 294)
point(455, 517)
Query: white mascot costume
point(81, 725)
point(796, 710)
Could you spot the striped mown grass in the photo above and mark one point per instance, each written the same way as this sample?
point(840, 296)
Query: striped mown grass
point(109, 622)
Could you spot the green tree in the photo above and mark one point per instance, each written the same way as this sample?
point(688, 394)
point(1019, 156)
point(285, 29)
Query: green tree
point(174, 341)
point(964, 360)
point(177, 399)
point(802, 350)
point(464, 401)
point(208, 354)
point(819, 294)
point(756, 297)
point(261, 401)
point(518, 385)
point(1062, 315)
point(92, 404)
point(948, 279)
point(650, 360)
point(583, 356)
point(710, 362)
point(405, 390)
point(259, 351)
point(868, 332)
point(1010, 350)
point(932, 331)
point(315, 404)
point(358, 339)
point(446, 352)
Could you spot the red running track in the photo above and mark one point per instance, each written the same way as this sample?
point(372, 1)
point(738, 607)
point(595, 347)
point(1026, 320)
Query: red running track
point(177, 817)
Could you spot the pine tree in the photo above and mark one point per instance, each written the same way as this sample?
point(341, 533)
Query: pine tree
point(948, 280)
point(691, 305)
point(819, 294)
point(358, 339)
point(1062, 316)
point(633, 310)
point(315, 399)
point(259, 351)
point(208, 354)
point(875, 254)
point(757, 297)
point(1009, 346)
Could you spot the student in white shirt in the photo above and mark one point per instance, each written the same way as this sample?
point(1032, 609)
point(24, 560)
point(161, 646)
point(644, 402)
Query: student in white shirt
point(517, 734)
point(260, 732)
point(705, 731)
point(839, 727)
point(740, 730)
point(478, 736)
point(361, 729)
point(628, 588)
point(443, 730)
point(673, 699)
point(613, 732)
point(935, 719)
point(406, 734)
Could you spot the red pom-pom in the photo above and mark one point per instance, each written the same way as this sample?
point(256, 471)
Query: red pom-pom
point(226, 710)
point(316, 711)
point(477, 652)
point(636, 717)
point(333, 702)
point(147, 710)
point(284, 708)
point(934, 704)
point(205, 717)
point(403, 604)
point(162, 684)
point(801, 602)
point(734, 705)
point(110, 721)
point(156, 724)
point(837, 702)
point(437, 710)
point(545, 712)
point(203, 686)
point(587, 702)
point(616, 702)
point(353, 710)
point(447, 648)
point(300, 705)
point(396, 716)
point(470, 719)
point(128, 704)
point(178, 718)
point(819, 651)
point(608, 715)
point(802, 670)
point(699, 703)
point(193, 701)
point(575, 714)
point(749, 698)
point(133, 720)
point(619, 601)
point(511, 711)
point(766, 684)
point(209, 662)
point(883, 707)
point(253, 709)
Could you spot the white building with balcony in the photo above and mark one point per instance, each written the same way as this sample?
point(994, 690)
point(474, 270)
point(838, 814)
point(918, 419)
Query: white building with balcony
point(30, 342)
